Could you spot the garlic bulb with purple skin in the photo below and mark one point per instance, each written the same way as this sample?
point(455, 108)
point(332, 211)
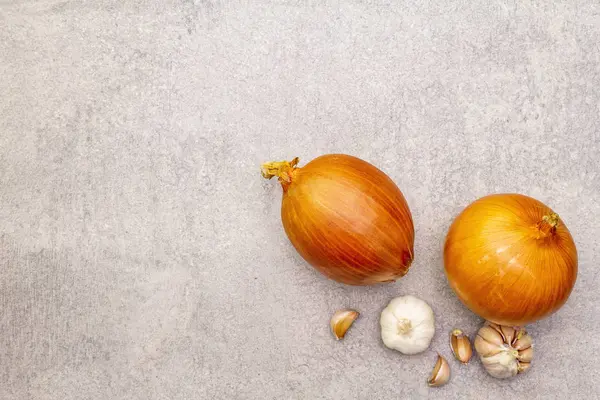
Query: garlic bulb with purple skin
point(504, 351)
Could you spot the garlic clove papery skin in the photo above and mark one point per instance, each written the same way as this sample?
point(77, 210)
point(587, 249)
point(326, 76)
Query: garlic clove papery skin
point(495, 326)
point(506, 359)
point(341, 321)
point(523, 343)
point(407, 325)
point(440, 374)
point(502, 365)
point(523, 367)
point(526, 355)
point(508, 332)
point(491, 335)
point(461, 346)
point(485, 348)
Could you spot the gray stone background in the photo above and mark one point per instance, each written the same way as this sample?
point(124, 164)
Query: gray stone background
point(142, 255)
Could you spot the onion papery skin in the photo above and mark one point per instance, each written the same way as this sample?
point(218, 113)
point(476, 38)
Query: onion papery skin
point(347, 219)
point(510, 259)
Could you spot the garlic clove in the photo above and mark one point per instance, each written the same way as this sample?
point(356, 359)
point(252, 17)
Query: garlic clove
point(491, 335)
point(523, 342)
point(523, 367)
point(461, 346)
point(494, 325)
point(526, 355)
point(440, 374)
point(341, 322)
point(485, 348)
point(520, 332)
point(508, 332)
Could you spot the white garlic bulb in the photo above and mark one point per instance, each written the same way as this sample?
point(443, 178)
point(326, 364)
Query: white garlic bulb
point(504, 351)
point(407, 325)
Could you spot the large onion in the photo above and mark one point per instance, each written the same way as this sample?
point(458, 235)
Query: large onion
point(510, 259)
point(346, 218)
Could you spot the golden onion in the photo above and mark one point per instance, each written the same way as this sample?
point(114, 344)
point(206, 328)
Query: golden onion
point(510, 259)
point(346, 218)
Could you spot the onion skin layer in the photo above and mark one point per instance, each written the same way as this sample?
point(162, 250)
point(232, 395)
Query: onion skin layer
point(347, 219)
point(508, 261)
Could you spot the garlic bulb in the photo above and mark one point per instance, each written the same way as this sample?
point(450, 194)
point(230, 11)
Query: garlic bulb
point(407, 325)
point(504, 351)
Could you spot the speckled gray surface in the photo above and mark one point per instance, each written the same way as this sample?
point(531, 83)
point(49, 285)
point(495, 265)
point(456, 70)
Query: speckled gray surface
point(142, 255)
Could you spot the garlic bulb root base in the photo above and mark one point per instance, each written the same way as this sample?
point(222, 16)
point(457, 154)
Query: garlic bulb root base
point(404, 326)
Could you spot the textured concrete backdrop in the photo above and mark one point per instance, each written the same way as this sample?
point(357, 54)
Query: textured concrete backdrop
point(141, 253)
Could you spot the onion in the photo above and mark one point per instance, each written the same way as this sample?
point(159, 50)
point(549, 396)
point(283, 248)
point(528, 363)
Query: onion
point(510, 259)
point(346, 218)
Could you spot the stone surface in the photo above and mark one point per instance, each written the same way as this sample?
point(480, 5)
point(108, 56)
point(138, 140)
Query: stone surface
point(141, 253)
